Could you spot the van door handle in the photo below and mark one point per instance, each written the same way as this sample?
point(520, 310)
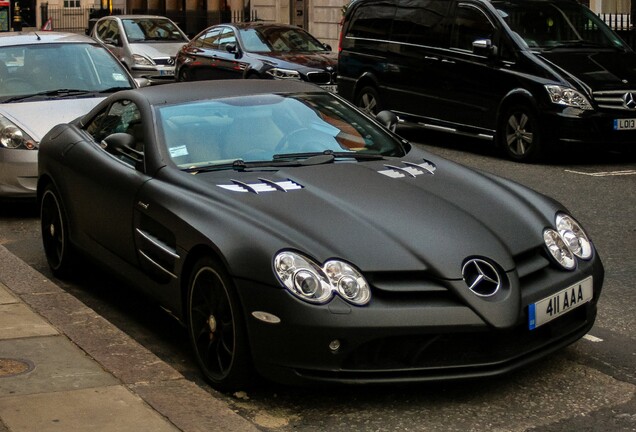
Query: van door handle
point(448, 61)
point(431, 58)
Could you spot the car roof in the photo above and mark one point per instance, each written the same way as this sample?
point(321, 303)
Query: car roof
point(258, 24)
point(138, 16)
point(42, 37)
point(167, 94)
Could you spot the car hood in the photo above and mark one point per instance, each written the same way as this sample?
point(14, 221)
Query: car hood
point(599, 70)
point(37, 118)
point(157, 50)
point(309, 60)
point(392, 216)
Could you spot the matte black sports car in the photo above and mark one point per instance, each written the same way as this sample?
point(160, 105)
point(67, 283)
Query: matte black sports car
point(297, 237)
point(257, 50)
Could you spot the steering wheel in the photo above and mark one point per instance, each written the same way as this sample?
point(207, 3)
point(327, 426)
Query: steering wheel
point(303, 140)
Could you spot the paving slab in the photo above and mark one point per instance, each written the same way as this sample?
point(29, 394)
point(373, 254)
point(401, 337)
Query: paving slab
point(55, 364)
point(104, 409)
point(5, 296)
point(18, 321)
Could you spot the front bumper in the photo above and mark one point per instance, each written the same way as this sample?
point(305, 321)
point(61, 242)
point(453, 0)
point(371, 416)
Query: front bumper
point(410, 339)
point(18, 173)
point(156, 75)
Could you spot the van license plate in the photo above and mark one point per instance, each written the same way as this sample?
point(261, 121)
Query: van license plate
point(560, 303)
point(624, 124)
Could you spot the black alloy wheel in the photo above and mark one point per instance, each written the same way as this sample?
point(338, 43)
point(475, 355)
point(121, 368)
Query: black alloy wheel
point(216, 327)
point(368, 100)
point(57, 248)
point(184, 75)
point(520, 135)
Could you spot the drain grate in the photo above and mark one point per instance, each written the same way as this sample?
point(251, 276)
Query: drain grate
point(12, 367)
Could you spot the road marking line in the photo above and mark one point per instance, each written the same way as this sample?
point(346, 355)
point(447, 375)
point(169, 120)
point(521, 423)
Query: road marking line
point(604, 173)
point(592, 338)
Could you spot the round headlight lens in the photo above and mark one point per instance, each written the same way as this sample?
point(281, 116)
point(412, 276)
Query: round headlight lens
point(573, 236)
point(558, 249)
point(313, 283)
point(12, 137)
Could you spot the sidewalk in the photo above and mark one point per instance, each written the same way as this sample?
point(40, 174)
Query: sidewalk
point(65, 368)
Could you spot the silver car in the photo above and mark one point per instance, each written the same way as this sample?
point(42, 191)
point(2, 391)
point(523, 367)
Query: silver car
point(47, 78)
point(146, 45)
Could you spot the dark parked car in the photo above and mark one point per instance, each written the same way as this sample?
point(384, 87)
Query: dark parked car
point(257, 50)
point(528, 73)
point(292, 233)
point(146, 44)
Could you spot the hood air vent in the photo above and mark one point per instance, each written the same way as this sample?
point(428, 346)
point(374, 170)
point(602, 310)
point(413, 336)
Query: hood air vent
point(264, 185)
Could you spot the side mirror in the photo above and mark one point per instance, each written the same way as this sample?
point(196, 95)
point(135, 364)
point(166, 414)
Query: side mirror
point(388, 119)
point(142, 82)
point(484, 47)
point(231, 48)
point(327, 47)
point(122, 146)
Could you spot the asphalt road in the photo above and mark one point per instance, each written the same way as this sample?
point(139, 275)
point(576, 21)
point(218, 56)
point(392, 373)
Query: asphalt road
point(589, 386)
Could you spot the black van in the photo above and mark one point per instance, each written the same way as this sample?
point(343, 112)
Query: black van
point(526, 73)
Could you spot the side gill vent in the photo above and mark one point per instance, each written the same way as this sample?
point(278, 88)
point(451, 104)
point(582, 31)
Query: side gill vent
point(409, 169)
point(264, 185)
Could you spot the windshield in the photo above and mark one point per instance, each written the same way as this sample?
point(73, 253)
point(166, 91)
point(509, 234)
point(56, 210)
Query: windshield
point(256, 128)
point(28, 70)
point(550, 25)
point(152, 30)
point(279, 39)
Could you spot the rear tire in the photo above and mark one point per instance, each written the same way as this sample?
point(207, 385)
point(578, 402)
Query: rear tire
point(55, 239)
point(519, 134)
point(216, 327)
point(368, 100)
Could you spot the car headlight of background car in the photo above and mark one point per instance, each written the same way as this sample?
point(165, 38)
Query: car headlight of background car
point(12, 137)
point(567, 242)
point(142, 60)
point(278, 73)
point(314, 283)
point(567, 96)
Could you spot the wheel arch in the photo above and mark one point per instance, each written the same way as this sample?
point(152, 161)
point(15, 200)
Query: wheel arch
point(367, 79)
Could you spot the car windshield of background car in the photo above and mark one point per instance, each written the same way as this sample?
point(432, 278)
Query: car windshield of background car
point(279, 40)
point(255, 128)
point(551, 25)
point(152, 30)
point(34, 70)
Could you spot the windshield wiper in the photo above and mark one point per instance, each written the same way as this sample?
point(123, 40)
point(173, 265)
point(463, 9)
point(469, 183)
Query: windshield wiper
point(60, 93)
point(114, 89)
point(576, 44)
point(335, 155)
point(277, 162)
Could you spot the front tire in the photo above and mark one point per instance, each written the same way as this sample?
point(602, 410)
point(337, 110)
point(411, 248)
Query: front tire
point(519, 134)
point(368, 100)
point(55, 238)
point(216, 327)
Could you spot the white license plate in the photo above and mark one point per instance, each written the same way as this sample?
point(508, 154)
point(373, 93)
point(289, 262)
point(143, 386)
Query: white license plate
point(330, 87)
point(560, 303)
point(624, 124)
point(167, 72)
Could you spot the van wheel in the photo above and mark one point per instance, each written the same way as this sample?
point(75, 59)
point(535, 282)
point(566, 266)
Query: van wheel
point(519, 134)
point(368, 100)
point(216, 327)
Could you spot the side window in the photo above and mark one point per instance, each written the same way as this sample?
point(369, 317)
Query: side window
point(372, 21)
point(121, 116)
point(227, 37)
point(470, 24)
point(210, 40)
point(421, 23)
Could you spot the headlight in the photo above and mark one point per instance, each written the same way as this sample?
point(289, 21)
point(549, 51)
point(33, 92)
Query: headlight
point(567, 96)
point(142, 61)
point(317, 284)
point(13, 137)
point(573, 236)
point(567, 241)
point(558, 249)
point(283, 73)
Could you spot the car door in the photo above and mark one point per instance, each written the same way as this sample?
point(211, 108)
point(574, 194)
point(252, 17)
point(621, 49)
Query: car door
point(105, 182)
point(110, 34)
point(476, 81)
point(228, 62)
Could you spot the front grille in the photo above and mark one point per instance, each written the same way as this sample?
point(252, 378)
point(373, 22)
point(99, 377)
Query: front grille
point(612, 99)
point(164, 61)
point(321, 77)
